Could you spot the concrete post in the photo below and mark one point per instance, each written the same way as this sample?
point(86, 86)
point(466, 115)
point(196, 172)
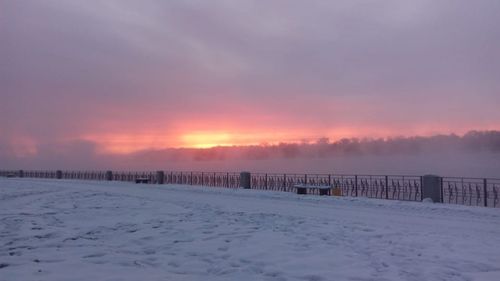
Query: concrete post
point(59, 174)
point(21, 173)
point(431, 188)
point(160, 177)
point(245, 180)
point(109, 175)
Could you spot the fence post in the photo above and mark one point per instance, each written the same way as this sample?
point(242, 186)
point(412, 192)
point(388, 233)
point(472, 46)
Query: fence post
point(356, 185)
point(109, 175)
point(441, 190)
point(227, 179)
point(21, 173)
point(160, 177)
point(387, 187)
point(432, 188)
point(421, 184)
point(284, 182)
point(58, 174)
point(245, 180)
point(265, 183)
point(485, 191)
point(191, 178)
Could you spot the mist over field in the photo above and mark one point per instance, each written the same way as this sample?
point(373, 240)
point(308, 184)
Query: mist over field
point(237, 85)
point(475, 154)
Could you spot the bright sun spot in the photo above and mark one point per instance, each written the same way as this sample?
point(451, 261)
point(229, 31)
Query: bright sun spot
point(206, 140)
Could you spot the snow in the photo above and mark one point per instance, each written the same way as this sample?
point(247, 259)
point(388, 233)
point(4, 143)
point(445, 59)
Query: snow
point(84, 230)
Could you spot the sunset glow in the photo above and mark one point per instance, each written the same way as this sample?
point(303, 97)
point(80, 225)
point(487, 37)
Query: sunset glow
point(123, 143)
point(384, 99)
point(207, 140)
point(123, 78)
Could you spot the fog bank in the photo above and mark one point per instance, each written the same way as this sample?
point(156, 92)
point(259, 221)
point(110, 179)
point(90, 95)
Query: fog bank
point(476, 154)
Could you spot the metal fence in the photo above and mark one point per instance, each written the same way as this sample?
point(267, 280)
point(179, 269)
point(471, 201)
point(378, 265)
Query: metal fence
point(215, 179)
point(384, 187)
point(454, 190)
point(470, 191)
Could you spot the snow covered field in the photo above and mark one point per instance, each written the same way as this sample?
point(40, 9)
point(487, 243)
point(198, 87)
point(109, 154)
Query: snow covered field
point(77, 230)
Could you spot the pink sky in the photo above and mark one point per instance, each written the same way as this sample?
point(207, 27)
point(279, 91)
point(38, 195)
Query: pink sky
point(134, 75)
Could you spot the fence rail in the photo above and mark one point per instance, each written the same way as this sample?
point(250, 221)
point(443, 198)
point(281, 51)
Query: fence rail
point(471, 191)
point(215, 179)
point(453, 190)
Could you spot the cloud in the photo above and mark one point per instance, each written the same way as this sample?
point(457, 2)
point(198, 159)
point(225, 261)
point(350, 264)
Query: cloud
point(277, 71)
point(476, 153)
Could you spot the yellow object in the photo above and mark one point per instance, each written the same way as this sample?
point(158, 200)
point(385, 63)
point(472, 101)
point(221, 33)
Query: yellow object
point(336, 191)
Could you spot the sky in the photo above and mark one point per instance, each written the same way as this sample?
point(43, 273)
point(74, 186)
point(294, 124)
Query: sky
point(121, 76)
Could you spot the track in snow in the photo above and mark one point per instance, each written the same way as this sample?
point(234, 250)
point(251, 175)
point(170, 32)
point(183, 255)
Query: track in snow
point(81, 230)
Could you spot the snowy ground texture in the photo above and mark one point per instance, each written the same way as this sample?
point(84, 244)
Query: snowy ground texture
point(76, 230)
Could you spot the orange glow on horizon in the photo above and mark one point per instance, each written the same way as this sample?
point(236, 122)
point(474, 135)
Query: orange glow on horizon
point(206, 140)
point(126, 143)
